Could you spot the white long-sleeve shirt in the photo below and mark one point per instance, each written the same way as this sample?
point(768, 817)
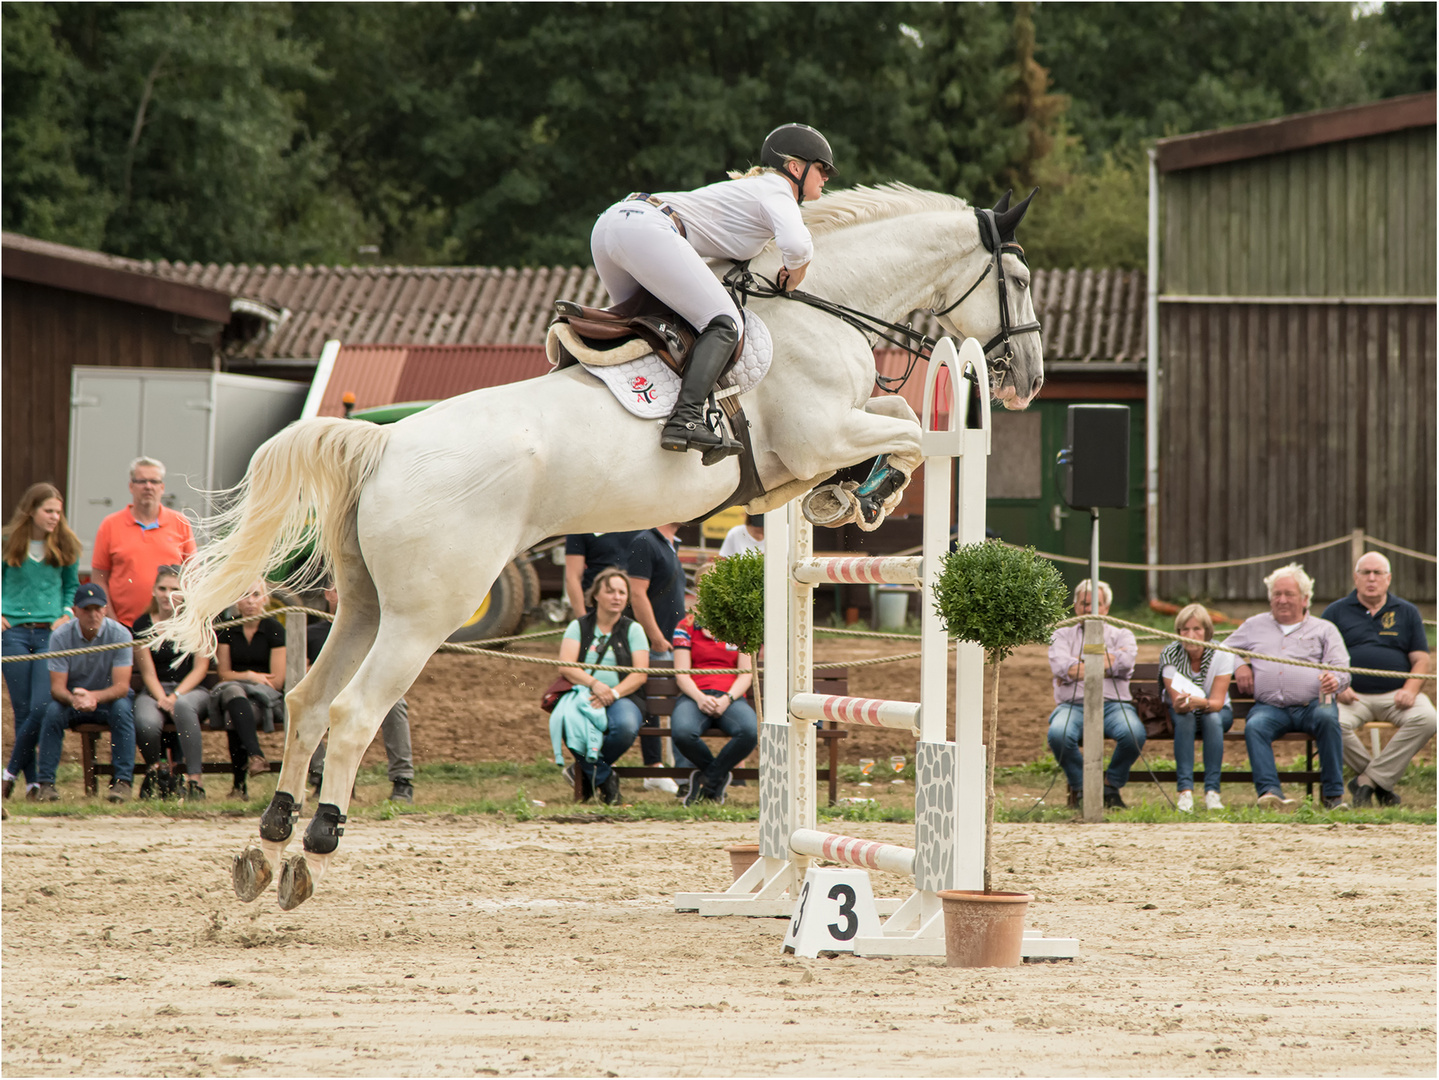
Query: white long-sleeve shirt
point(735, 219)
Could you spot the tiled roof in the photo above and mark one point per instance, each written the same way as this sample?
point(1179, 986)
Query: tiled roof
point(1088, 315)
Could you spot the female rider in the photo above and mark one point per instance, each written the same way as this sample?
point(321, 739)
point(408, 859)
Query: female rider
point(660, 243)
point(41, 571)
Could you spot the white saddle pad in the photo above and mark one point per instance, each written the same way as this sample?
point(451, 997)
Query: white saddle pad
point(649, 389)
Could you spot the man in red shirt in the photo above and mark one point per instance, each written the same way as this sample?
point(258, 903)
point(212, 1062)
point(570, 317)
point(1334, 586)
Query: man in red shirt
point(131, 544)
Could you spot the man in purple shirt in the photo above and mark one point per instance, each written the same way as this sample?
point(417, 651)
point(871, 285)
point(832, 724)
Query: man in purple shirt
point(1121, 722)
point(1289, 698)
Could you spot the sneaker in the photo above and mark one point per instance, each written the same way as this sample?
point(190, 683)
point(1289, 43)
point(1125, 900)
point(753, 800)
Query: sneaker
point(1334, 802)
point(1186, 802)
point(718, 795)
point(240, 791)
point(568, 772)
point(1275, 800)
point(661, 783)
point(1386, 797)
point(1112, 799)
point(1362, 794)
point(697, 788)
point(42, 793)
point(610, 789)
point(1211, 801)
point(119, 792)
point(402, 791)
point(1076, 799)
point(194, 792)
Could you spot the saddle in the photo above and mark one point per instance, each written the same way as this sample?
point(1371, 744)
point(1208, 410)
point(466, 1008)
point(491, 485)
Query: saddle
point(627, 331)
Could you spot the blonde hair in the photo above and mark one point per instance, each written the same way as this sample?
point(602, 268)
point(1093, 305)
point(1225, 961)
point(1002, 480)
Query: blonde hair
point(1192, 612)
point(1106, 594)
point(756, 170)
point(62, 546)
point(1295, 571)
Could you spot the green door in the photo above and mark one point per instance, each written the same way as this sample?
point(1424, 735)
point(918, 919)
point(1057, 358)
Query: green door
point(1025, 506)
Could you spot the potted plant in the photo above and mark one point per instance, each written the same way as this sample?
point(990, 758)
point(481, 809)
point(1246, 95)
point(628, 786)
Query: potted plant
point(1000, 598)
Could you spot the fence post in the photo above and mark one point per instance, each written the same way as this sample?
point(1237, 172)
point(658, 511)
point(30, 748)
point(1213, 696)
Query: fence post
point(1356, 549)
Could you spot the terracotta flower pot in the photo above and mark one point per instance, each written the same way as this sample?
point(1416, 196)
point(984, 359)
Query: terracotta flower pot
point(983, 929)
point(742, 857)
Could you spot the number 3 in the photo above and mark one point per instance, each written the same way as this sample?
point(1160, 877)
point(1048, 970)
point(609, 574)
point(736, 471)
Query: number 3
point(846, 897)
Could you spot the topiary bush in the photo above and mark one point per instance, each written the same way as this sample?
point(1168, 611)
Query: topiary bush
point(1000, 598)
point(730, 601)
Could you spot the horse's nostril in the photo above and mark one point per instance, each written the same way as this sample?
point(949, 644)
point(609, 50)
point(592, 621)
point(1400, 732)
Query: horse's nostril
point(1034, 387)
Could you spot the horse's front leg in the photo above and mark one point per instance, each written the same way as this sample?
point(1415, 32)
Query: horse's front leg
point(867, 504)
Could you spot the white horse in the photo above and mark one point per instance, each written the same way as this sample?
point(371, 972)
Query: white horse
point(417, 519)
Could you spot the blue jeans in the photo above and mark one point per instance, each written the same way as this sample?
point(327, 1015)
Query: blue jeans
point(119, 714)
point(624, 724)
point(1121, 723)
point(738, 722)
point(1214, 725)
point(1265, 723)
point(651, 752)
point(29, 685)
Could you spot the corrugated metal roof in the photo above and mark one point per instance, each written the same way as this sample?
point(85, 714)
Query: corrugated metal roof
point(385, 374)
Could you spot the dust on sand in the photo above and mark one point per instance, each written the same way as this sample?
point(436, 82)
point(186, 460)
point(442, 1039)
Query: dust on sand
point(445, 946)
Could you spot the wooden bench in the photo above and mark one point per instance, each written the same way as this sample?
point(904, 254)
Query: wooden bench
point(90, 731)
point(661, 693)
point(1308, 776)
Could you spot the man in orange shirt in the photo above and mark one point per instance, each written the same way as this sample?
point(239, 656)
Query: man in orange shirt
point(131, 544)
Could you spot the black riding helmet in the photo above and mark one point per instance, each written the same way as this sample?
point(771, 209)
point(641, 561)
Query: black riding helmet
point(797, 141)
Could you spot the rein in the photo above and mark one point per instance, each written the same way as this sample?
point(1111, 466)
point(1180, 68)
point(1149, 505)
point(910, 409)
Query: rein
point(743, 283)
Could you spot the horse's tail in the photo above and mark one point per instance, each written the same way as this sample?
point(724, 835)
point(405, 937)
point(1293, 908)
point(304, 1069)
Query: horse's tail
point(294, 503)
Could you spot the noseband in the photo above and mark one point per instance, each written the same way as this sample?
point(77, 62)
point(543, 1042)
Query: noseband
point(989, 234)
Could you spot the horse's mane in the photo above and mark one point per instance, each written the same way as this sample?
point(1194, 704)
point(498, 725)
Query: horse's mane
point(861, 204)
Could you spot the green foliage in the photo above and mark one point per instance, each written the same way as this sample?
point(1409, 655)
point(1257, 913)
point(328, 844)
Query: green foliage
point(999, 597)
point(730, 603)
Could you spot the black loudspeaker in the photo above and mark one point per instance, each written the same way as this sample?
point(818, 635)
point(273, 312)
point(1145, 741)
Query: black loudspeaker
point(1095, 460)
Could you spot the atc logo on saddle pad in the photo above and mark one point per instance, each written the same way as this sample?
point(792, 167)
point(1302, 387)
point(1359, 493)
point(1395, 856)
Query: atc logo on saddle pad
point(644, 390)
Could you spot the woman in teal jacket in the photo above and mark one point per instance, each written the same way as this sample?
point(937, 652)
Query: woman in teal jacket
point(40, 573)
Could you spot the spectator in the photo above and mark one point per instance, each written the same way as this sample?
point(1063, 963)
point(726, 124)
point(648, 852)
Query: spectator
point(586, 554)
point(711, 701)
point(657, 596)
point(172, 689)
point(1066, 722)
point(746, 537)
point(133, 543)
point(1289, 698)
point(394, 729)
point(600, 717)
point(1381, 631)
point(251, 662)
point(41, 573)
point(1210, 714)
point(90, 687)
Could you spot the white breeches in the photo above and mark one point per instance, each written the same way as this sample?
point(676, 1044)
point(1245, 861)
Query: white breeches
point(634, 244)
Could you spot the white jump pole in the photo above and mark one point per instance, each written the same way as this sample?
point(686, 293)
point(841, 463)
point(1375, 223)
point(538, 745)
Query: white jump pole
point(949, 813)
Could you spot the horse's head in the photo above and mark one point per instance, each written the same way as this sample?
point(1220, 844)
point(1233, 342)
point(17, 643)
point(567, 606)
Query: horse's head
point(988, 298)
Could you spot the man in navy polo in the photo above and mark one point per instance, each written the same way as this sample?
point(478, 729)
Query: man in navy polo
point(1382, 631)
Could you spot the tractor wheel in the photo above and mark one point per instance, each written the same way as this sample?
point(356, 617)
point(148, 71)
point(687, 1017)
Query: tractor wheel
point(499, 614)
point(531, 579)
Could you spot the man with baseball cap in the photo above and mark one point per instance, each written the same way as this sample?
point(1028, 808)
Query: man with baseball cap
point(92, 687)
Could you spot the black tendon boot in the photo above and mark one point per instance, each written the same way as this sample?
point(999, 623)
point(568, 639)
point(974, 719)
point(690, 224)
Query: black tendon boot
point(686, 428)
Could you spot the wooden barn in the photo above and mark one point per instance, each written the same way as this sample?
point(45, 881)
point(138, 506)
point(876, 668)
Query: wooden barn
point(1297, 346)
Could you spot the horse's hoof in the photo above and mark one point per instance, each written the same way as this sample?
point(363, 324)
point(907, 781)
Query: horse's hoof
point(296, 886)
point(250, 873)
point(832, 505)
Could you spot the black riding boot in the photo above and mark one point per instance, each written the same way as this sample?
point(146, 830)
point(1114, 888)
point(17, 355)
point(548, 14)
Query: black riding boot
point(686, 428)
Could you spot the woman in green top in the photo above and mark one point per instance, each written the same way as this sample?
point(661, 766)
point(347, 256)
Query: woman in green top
point(40, 573)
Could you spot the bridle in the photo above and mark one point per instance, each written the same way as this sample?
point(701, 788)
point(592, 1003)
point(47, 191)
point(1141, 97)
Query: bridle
point(743, 283)
point(989, 234)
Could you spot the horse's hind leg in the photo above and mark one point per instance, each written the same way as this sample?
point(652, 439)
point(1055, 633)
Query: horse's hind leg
point(400, 652)
point(308, 708)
